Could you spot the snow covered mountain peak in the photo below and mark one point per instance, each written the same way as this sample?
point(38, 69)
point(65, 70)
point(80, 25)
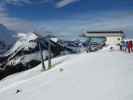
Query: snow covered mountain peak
point(24, 41)
point(27, 36)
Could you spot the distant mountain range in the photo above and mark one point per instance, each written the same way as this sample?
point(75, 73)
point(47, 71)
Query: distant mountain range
point(25, 52)
point(21, 51)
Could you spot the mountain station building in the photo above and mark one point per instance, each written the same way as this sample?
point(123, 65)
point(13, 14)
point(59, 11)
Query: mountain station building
point(108, 37)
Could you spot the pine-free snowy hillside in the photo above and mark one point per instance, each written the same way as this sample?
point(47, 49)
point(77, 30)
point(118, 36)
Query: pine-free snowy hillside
point(101, 75)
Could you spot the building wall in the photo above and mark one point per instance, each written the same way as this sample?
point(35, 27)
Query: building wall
point(113, 40)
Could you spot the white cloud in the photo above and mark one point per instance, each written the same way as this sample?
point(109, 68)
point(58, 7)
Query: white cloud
point(58, 4)
point(18, 2)
point(18, 25)
point(63, 3)
point(15, 24)
point(23, 2)
point(75, 26)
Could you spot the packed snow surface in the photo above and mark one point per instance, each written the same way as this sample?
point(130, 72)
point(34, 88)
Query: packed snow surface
point(103, 75)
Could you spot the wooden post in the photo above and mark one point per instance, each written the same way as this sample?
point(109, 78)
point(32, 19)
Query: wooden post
point(41, 54)
point(49, 57)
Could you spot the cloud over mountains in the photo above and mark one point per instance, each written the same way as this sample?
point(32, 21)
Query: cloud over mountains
point(62, 18)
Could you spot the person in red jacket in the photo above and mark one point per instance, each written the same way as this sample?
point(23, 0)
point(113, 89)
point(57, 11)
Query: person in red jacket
point(130, 46)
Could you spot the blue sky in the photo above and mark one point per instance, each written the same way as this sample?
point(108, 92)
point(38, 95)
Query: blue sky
point(67, 17)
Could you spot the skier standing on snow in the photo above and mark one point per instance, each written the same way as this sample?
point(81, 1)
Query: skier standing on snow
point(121, 47)
point(126, 45)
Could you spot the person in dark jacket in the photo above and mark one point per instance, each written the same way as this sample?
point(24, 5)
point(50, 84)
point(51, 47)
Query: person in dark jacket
point(126, 46)
point(120, 47)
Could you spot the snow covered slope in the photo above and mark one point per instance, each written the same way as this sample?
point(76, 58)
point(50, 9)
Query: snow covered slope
point(101, 75)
